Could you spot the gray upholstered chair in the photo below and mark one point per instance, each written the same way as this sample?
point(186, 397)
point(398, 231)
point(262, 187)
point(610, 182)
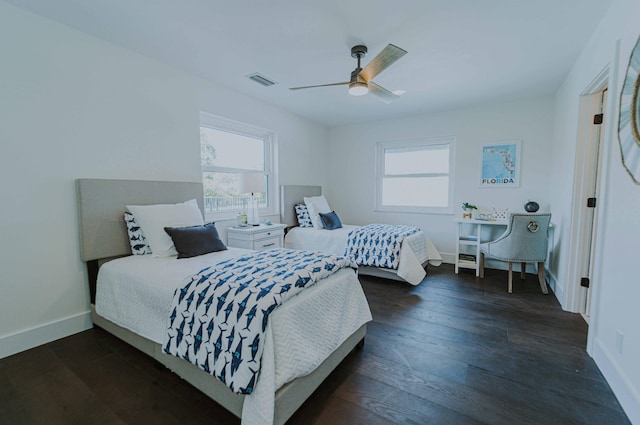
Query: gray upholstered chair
point(524, 241)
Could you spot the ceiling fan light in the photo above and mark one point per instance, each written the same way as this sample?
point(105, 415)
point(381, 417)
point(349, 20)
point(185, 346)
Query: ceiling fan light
point(358, 88)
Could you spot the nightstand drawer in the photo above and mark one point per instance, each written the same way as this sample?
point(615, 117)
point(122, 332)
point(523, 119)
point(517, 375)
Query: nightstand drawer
point(257, 238)
point(247, 235)
point(268, 243)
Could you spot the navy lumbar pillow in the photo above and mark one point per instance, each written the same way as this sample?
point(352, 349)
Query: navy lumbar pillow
point(330, 221)
point(195, 240)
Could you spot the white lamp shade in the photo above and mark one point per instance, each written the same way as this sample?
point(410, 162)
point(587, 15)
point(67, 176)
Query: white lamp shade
point(252, 183)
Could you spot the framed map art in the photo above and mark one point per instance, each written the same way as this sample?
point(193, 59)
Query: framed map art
point(500, 165)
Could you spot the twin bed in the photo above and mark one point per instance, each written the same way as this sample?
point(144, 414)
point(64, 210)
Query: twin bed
point(305, 338)
point(416, 252)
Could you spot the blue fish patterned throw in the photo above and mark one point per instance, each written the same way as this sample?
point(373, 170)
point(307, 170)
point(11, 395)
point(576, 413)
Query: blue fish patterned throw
point(218, 319)
point(377, 245)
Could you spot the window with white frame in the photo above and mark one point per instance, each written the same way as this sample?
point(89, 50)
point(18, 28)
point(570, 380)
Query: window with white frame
point(415, 175)
point(227, 150)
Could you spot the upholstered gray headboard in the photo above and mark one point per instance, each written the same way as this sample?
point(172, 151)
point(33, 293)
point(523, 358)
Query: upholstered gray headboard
point(102, 203)
point(290, 196)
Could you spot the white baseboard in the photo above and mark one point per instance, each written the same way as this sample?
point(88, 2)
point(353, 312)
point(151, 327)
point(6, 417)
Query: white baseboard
point(447, 257)
point(624, 391)
point(33, 337)
point(558, 290)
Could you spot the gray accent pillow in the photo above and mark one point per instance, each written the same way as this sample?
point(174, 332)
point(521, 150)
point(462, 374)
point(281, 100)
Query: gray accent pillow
point(195, 240)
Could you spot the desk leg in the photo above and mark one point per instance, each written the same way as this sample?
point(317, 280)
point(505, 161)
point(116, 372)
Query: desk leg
point(478, 258)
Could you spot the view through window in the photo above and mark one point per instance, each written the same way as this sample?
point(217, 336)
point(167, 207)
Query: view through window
point(415, 175)
point(225, 154)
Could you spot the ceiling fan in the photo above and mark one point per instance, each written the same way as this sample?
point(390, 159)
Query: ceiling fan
point(360, 82)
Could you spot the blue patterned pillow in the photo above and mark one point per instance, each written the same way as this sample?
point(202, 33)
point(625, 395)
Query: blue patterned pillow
point(137, 240)
point(304, 220)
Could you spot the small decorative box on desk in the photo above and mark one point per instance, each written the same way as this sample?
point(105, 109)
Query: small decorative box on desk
point(256, 237)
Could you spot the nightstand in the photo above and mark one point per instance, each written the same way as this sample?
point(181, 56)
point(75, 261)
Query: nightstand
point(256, 237)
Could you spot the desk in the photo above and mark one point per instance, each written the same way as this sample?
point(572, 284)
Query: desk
point(469, 238)
point(470, 235)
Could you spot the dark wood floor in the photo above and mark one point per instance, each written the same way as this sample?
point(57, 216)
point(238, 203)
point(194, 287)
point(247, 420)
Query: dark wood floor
point(454, 350)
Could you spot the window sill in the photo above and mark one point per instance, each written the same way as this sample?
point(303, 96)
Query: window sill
point(409, 210)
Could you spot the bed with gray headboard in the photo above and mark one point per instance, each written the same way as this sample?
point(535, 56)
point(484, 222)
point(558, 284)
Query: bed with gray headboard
point(103, 237)
point(335, 240)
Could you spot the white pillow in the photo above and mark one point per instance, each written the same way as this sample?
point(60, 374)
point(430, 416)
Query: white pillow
point(154, 218)
point(315, 206)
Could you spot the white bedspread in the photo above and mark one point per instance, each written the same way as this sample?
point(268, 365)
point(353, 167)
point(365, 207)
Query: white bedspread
point(416, 249)
point(135, 292)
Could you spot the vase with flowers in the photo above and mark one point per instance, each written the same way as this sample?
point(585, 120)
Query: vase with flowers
point(468, 210)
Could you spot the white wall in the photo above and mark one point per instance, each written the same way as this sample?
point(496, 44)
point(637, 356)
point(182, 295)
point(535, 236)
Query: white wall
point(351, 191)
point(72, 106)
point(616, 283)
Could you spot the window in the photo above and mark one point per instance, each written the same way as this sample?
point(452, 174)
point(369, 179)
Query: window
point(415, 176)
point(228, 149)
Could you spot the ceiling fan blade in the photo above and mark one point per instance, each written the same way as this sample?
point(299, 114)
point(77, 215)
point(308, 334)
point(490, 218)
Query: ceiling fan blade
point(320, 85)
point(384, 60)
point(381, 93)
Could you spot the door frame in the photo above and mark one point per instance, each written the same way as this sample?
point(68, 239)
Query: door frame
point(580, 230)
point(595, 235)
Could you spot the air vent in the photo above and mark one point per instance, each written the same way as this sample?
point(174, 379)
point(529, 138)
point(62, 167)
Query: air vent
point(260, 79)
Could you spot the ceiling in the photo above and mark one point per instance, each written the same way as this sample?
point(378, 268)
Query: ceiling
point(461, 53)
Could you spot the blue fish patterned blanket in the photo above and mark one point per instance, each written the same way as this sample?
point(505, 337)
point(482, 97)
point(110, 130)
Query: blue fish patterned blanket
point(218, 319)
point(377, 245)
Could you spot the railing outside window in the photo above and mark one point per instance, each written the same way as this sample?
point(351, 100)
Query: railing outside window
point(222, 204)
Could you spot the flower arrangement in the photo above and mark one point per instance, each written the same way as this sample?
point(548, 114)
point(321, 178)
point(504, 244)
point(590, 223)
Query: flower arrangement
point(467, 206)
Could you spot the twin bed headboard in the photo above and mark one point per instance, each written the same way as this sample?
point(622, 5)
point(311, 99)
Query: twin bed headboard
point(102, 203)
point(290, 196)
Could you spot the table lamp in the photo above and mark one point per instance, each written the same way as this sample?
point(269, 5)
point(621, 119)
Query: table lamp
point(252, 183)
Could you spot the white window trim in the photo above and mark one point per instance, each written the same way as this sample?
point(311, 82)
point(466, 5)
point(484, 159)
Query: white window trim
point(270, 148)
point(430, 141)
